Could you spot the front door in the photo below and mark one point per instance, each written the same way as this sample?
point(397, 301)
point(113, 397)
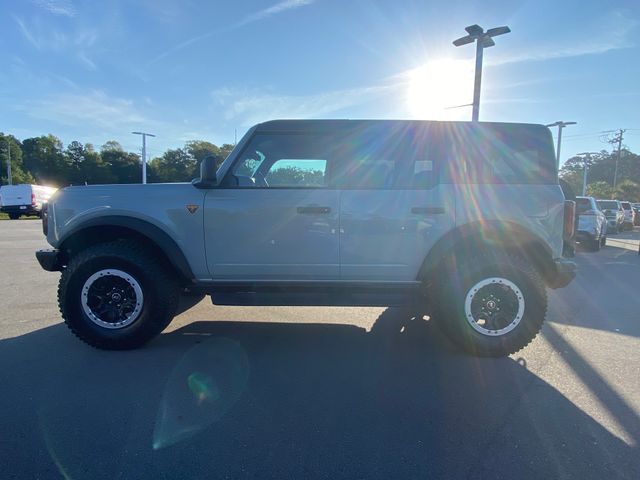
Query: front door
point(274, 217)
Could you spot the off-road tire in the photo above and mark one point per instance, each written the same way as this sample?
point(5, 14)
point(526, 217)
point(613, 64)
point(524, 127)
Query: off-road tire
point(160, 291)
point(460, 275)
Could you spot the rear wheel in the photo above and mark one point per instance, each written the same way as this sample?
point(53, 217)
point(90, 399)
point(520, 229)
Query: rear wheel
point(593, 245)
point(14, 216)
point(117, 296)
point(491, 306)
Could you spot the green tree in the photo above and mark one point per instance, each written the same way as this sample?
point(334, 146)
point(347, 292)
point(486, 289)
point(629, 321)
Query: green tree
point(599, 189)
point(173, 166)
point(628, 190)
point(11, 149)
point(43, 157)
point(124, 166)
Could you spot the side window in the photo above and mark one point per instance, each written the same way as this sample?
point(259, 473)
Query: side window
point(284, 161)
point(386, 157)
point(297, 173)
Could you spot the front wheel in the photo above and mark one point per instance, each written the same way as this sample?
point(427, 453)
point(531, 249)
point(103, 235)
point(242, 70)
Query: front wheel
point(491, 306)
point(116, 296)
point(14, 216)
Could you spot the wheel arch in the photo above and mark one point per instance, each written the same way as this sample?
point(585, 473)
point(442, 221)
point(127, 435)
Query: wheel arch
point(110, 228)
point(475, 238)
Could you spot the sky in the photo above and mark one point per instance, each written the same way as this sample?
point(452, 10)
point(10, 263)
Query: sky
point(184, 70)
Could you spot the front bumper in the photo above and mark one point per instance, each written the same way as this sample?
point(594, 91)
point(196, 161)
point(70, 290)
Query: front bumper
point(565, 273)
point(50, 260)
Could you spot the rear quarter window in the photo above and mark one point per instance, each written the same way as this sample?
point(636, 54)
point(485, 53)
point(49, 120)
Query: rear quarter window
point(499, 153)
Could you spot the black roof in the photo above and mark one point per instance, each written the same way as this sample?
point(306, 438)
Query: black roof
point(332, 125)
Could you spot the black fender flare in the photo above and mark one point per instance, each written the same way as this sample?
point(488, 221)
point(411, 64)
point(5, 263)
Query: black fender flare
point(151, 232)
point(495, 234)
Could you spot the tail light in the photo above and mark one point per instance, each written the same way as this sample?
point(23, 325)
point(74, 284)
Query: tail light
point(33, 199)
point(45, 218)
point(569, 219)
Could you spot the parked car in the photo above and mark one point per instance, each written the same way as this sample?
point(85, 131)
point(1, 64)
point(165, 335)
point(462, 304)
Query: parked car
point(636, 209)
point(629, 215)
point(464, 221)
point(591, 230)
point(614, 213)
point(24, 199)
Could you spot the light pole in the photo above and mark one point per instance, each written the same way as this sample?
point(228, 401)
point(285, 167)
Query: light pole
point(586, 162)
point(560, 124)
point(483, 40)
point(144, 153)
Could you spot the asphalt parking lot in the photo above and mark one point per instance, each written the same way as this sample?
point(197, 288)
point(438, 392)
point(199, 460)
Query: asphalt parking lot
point(232, 392)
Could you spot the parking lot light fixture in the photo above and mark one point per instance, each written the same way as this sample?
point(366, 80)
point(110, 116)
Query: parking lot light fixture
point(483, 40)
point(560, 124)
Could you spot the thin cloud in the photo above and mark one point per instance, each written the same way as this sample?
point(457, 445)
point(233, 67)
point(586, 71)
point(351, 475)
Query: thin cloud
point(27, 34)
point(614, 33)
point(245, 108)
point(81, 109)
point(77, 43)
point(275, 9)
point(63, 8)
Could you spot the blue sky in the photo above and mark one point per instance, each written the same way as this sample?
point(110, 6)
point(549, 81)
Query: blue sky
point(95, 71)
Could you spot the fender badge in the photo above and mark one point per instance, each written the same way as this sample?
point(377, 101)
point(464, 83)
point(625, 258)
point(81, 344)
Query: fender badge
point(192, 208)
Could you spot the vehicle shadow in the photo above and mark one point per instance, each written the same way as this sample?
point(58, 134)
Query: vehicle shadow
point(272, 400)
point(604, 294)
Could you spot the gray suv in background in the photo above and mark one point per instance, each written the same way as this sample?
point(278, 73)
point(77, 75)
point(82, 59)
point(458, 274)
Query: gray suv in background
point(462, 221)
point(614, 213)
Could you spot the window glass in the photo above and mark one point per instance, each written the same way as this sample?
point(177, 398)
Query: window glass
point(515, 154)
point(389, 155)
point(297, 173)
point(582, 205)
point(284, 160)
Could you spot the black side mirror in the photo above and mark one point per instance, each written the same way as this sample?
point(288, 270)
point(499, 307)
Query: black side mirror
point(207, 173)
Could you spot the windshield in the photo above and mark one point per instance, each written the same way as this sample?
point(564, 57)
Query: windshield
point(582, 205)
point(626, 205)
point(607, 205)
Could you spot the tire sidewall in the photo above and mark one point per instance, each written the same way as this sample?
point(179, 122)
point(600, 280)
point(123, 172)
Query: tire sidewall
point(75, 315)
point(460, 330)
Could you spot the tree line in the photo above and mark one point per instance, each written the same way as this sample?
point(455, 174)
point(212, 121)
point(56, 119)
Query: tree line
point(45, 161)
point(601, 172)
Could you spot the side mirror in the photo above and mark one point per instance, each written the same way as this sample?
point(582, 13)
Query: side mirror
point(207, 173)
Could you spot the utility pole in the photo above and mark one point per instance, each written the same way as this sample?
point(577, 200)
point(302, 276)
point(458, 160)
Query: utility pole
point(9, 180)
point(144, 153)
point(483, 40)
point(586, 163)
point(618, 139)
point(560, 124)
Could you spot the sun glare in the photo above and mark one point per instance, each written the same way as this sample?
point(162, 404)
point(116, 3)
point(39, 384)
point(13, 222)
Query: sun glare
point(438, 85)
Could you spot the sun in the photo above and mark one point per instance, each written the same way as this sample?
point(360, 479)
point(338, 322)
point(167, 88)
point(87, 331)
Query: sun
point(438, 85)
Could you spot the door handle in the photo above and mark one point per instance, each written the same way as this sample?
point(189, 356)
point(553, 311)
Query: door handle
point(428, 210)
point(313, 210)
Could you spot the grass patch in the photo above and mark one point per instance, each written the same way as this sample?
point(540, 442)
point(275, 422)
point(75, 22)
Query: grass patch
point(4, 216)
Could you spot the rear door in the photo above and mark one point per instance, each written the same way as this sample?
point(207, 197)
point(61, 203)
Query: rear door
point(14, 195)
point(392, 207)
point(275, 217)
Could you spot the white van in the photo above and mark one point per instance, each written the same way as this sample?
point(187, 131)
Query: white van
point(17, 200)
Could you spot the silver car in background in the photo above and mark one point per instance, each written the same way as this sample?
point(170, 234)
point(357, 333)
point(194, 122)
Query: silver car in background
point(629, 215)
point(614, 213)
point(591, 224)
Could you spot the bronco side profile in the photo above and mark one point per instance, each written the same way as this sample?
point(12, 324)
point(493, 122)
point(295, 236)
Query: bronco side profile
point(465, 222)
